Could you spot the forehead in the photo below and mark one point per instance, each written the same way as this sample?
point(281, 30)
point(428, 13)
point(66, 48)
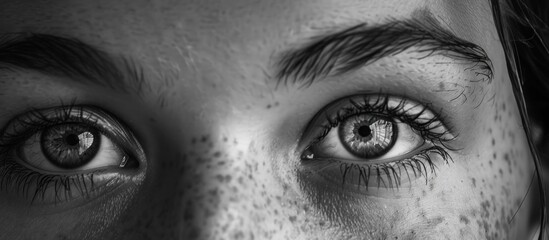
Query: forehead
point(204, 44)
point(240, 26)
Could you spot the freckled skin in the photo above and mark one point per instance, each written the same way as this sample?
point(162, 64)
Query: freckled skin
point(221, 145)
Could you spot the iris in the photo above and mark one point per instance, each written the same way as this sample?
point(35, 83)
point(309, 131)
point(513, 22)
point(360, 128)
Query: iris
point(70, 146)
point(367, 135)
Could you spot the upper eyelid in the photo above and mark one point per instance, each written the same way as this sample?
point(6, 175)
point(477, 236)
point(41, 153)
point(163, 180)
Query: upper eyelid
point(380, 100)
point(26, 124)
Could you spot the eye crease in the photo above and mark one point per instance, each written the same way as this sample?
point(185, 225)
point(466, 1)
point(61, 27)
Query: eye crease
point(392, 139)
point(66, 153)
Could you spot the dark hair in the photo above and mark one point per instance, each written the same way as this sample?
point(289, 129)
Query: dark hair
point(521, 26)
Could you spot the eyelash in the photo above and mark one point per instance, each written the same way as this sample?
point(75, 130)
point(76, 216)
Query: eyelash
point(14, 175)
point(22, 178)
point(392, 170)
point(424, 129)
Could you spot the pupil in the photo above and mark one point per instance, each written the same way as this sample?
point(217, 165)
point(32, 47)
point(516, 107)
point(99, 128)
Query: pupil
point(364, 131)
point(72, 139)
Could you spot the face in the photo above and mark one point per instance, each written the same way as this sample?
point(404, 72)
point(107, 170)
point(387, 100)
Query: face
point(258, 119)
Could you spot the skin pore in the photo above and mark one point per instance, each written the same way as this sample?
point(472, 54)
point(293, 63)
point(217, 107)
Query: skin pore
point(222, 135)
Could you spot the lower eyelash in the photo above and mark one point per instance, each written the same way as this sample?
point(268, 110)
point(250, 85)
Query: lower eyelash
point(33, 185)
point(417, 166)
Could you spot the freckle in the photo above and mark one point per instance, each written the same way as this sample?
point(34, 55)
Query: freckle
point(493, 142)
point(213, 193)
point(225, 139)
point(474, 182)
point(217, 154)
point(494, 155)
point(485, 226)
point(506, 158)
point(204, 138)
point(489, 130)
point(424, 193)
point(490, 163)
point(500, 172)
point(485, 208)
point(292, 218)
point(269, 106)
point(463, 219)
point(441, 86)
point(422, 214)
point(504, 106)
point(276, 104)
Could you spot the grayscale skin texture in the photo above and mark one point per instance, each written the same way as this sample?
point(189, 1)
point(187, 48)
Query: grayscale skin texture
point(221, 139)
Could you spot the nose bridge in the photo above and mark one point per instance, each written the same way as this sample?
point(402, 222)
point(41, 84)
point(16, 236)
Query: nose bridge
point(215, 188)
point(206, 179)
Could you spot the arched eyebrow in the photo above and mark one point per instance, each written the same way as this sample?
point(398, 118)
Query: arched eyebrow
point(70, 58)
point(347, 50)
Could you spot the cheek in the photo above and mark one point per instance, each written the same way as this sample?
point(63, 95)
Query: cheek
point(503, 174)
point(478, 195)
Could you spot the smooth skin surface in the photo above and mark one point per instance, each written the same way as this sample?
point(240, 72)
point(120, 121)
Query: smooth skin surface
point(222, 140)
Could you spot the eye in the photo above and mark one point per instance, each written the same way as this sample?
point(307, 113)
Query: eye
point(71, 146)
point(67, 153)
point(368, 138)
point(374, 141)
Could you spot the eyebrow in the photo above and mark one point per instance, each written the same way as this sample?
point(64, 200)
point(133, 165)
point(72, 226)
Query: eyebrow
point(69, 57)
point(350, 49)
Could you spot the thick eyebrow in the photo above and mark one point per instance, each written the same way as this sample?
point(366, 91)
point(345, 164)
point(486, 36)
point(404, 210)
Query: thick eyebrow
point(69, 58)
point(347, 50)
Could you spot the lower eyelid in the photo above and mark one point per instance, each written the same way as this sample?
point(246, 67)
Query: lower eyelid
point(45, 189)
point(353, 176)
